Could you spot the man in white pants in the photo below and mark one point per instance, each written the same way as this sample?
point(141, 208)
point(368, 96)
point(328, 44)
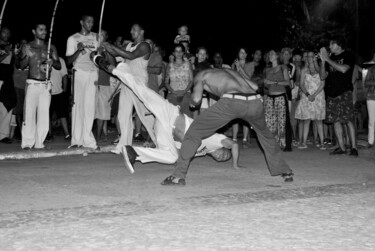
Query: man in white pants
point(78, 49)
point(38, 88)
point(169, 128)
point(136, 58)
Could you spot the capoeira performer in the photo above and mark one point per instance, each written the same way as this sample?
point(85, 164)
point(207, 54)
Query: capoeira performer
point(238, 99)
point(136, 57)
point(78, 49)
point(169, 128)
point(38, 89)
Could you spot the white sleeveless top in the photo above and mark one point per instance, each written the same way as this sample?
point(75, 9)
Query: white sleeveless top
point(138, 66)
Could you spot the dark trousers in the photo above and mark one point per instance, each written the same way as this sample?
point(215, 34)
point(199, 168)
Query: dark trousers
point(218, 115)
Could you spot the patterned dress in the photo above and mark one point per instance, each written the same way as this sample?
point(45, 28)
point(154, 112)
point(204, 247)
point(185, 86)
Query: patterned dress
point(179, 81)
point(315, 110)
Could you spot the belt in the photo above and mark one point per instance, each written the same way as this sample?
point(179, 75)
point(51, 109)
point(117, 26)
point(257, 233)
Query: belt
point(37, 82)
point(236, 96)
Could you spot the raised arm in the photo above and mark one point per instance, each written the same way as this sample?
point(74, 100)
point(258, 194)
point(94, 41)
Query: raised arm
point(196, 97)
point(22, 59)
point(142, 50)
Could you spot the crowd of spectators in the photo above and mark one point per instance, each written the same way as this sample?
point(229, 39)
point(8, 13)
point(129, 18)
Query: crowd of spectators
point(302, 88)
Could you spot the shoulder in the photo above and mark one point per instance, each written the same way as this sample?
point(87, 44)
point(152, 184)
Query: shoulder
point(75, 36)
point(144, 46)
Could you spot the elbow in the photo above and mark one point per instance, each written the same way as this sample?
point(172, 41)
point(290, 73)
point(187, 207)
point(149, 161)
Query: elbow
point(195, 101)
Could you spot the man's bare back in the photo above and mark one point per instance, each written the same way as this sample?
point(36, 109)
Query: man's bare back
point(223, 81)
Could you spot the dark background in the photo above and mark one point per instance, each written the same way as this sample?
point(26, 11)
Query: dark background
point(253, 24)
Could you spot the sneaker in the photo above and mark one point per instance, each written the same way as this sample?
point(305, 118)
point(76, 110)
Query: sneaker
point(68, 137)
point(129, 155)
point(288, 177)
point(171, 180)
point(115, 142)
point(295, 143)
point(327, 141)
point(353, 152)
point(139, 138)
point(370, 145)
point(322, 147)
point(337, 151)
point(302, 146)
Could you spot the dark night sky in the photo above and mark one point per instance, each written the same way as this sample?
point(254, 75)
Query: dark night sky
point(222, 27)
point(214, 26)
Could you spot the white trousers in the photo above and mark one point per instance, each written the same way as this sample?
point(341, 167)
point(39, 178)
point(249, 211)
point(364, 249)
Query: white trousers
point(83, 111)
point(36, 115)
point(128, 101)
point(165, 114)
point(371, 120)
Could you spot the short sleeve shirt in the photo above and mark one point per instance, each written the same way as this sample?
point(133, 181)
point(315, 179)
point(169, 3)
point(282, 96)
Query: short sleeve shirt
point(83, 61)
point(337, 82)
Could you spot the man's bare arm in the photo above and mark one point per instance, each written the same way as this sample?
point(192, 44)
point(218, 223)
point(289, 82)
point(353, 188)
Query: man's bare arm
point(70, 59)
point(22, 60)
point(142, 50)
point(56, 60)
point(196, 97)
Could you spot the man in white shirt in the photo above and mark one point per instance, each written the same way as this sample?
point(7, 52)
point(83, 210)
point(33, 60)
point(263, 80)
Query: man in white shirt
point(78, 49)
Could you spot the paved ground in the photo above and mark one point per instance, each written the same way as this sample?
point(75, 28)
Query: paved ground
point(92, 203)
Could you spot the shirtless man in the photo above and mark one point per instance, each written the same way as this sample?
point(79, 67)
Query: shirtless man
point(238, 99)
point(169, 128)
point(38, 87)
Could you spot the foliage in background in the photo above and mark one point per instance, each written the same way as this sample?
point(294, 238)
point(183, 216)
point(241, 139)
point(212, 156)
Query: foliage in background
point(309, 23)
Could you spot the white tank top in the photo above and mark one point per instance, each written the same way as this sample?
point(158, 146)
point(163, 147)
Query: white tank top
point(138, 66)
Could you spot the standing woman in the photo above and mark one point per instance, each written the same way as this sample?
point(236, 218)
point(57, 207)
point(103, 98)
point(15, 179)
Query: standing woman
point(179, 80)
point(276, 101)
point(312, 105)
point(201, 63)
point(242, 65)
